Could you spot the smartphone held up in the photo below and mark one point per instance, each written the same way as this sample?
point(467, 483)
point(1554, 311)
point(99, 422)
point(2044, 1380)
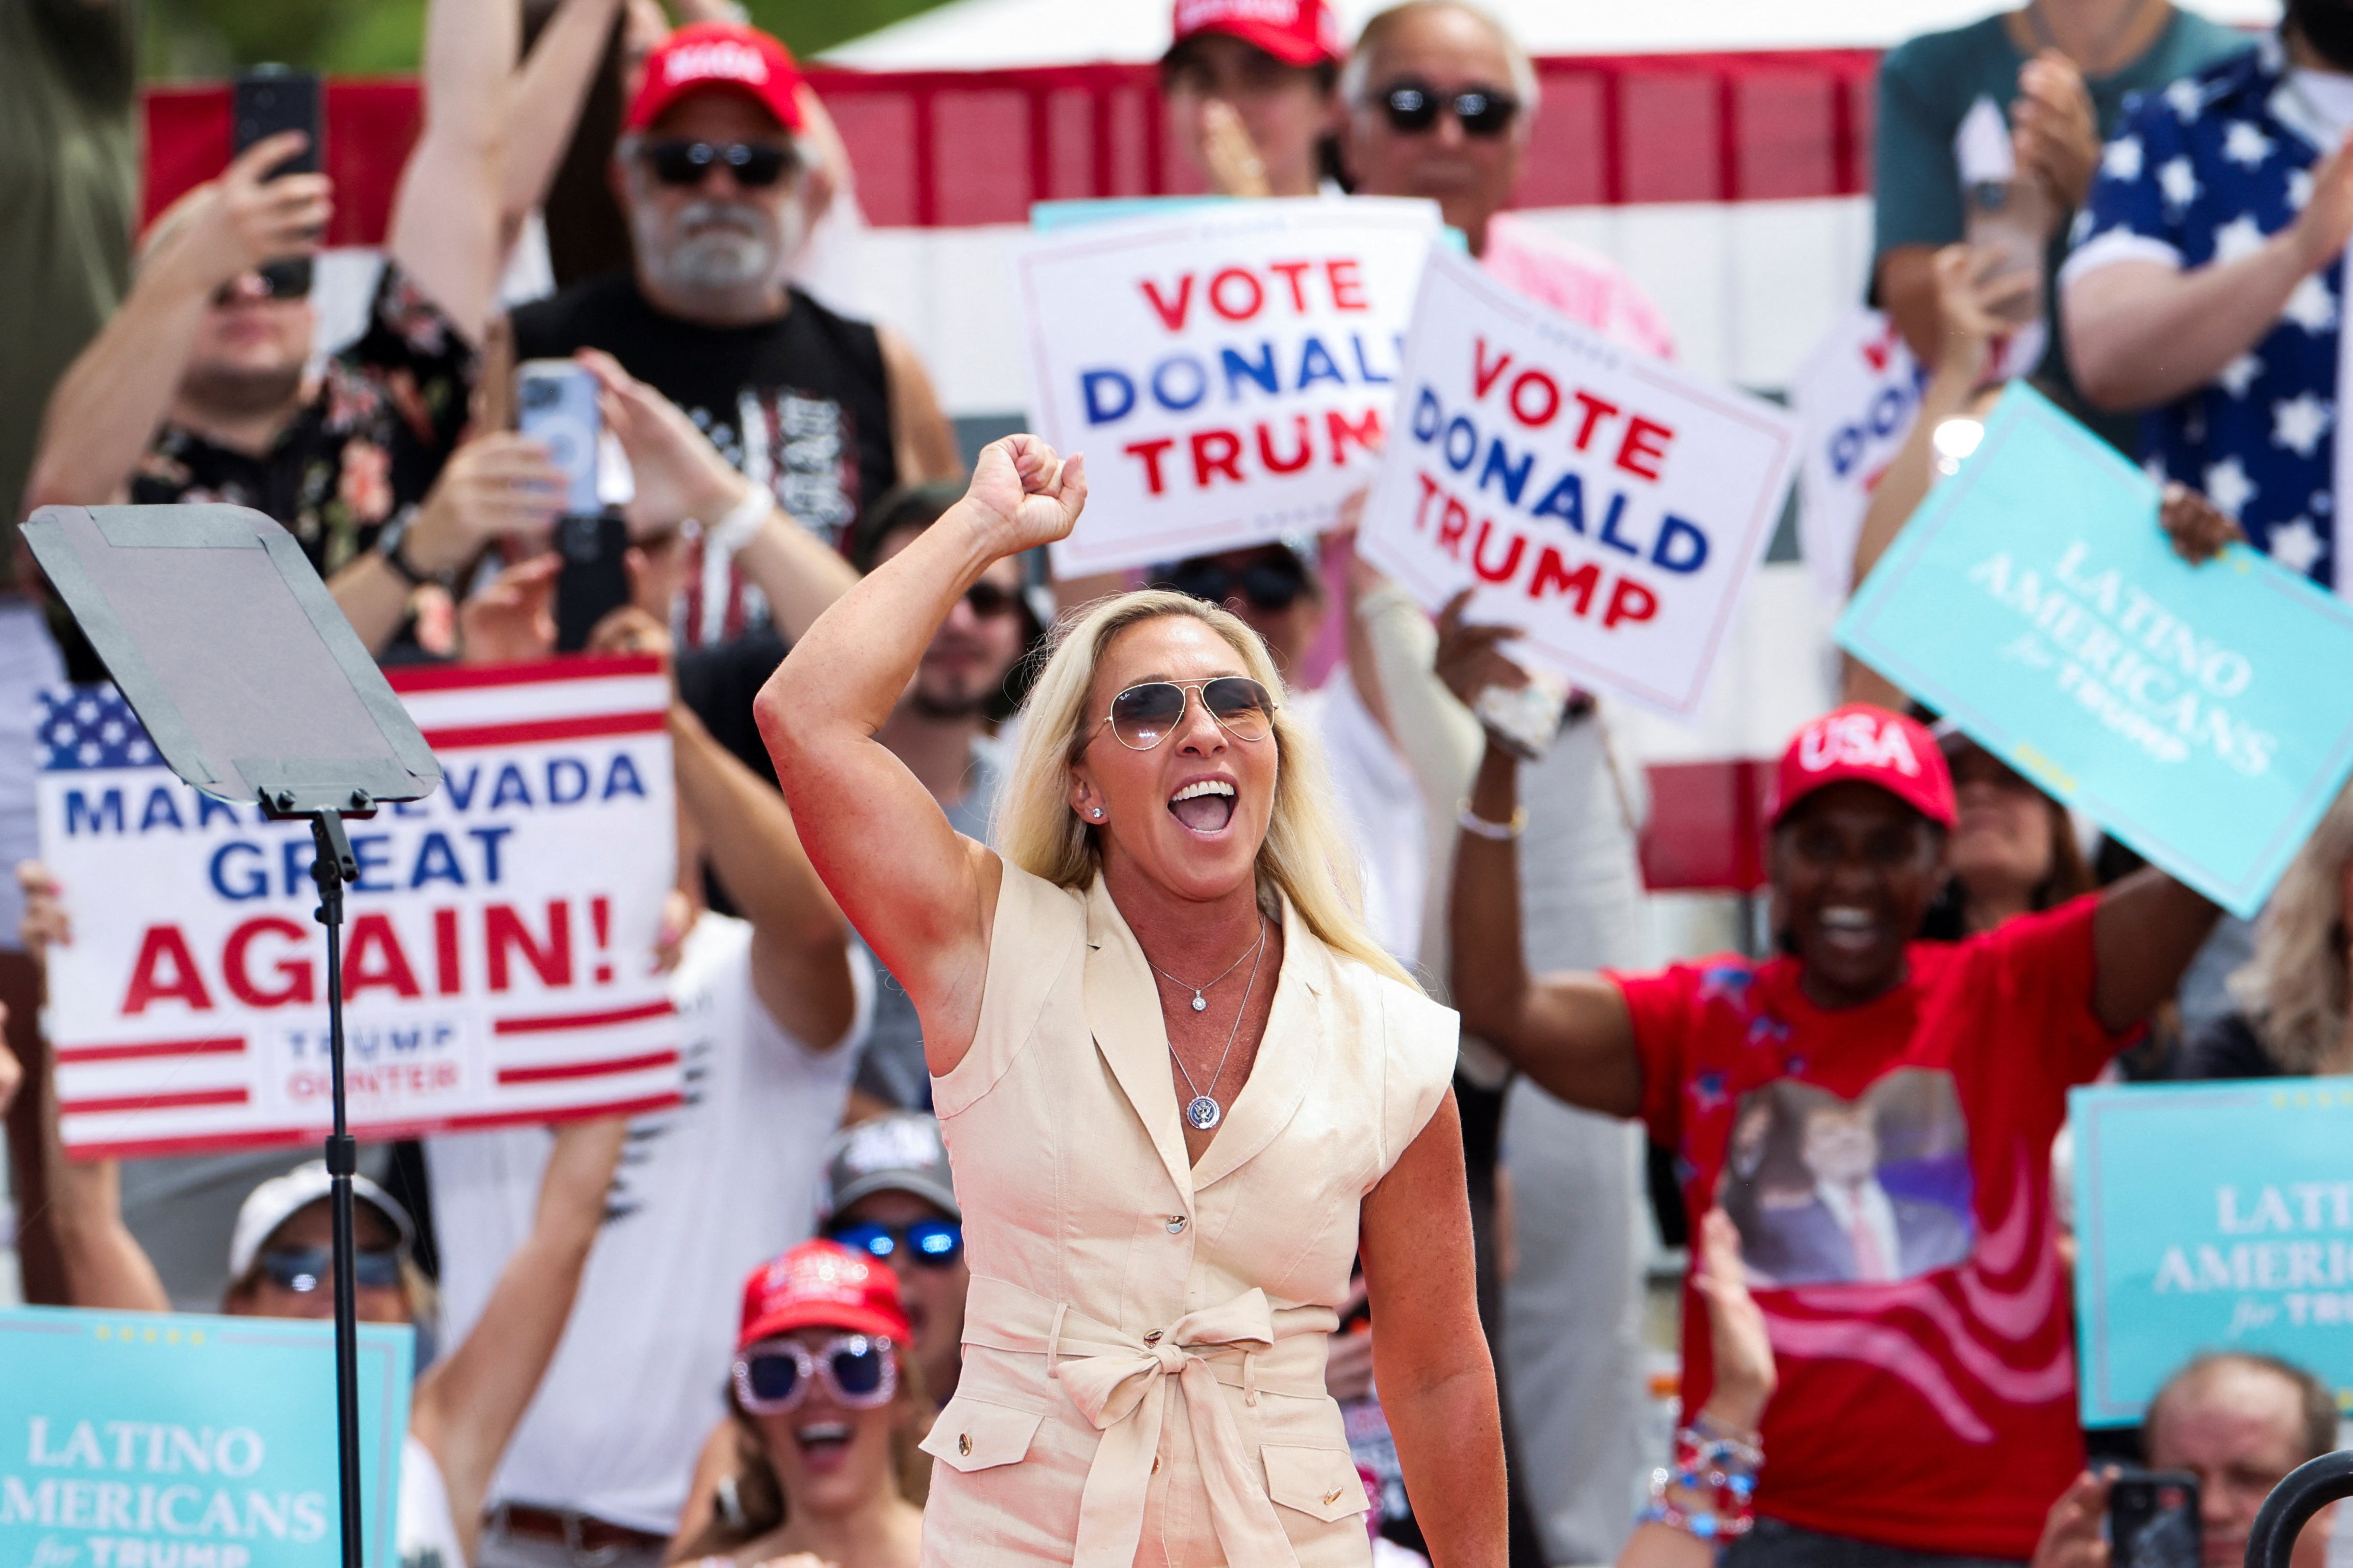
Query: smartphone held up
point(557, 405)
point(263, 102)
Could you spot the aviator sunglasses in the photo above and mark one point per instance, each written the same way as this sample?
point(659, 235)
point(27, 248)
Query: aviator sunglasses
point(303, 1270)
point(1412, 108)
point(935, 1243)
point(683, 163)
point(1143, 716)
point(858, 1370)
point(1264, 585)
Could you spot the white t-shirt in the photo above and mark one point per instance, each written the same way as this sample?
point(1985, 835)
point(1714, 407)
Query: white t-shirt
point(706, 1192)
point(424, 1531)
point(1381, 801)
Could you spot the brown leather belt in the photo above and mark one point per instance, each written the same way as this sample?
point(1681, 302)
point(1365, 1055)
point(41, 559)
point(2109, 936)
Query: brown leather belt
point(579, 1532)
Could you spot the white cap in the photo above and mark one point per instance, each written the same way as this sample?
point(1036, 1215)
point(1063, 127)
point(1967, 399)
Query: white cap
point(280, 1199)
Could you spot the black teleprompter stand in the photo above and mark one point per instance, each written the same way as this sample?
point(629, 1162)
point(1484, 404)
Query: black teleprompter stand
point(255, 689)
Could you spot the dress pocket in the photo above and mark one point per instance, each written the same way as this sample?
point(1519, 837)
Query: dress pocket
point(973, 1435)
point(1322, 1483)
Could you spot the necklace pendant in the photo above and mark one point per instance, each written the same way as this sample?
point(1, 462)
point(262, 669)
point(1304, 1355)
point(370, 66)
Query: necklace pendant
point(1198, 1004)
point(1203, 1112)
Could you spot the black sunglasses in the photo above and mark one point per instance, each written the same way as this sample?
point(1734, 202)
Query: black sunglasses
point(280, 280)
point(1262, 585)
point(303, 1270)
point(990, 600)
point(755, 164)
point(1413, 108)
point(935, 1243)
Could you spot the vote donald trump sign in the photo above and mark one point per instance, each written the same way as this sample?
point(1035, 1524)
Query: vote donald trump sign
point(1227, 370)
point(1606, 503)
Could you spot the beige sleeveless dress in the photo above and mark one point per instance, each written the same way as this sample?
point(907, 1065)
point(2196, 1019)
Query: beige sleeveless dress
point(1144, 1344)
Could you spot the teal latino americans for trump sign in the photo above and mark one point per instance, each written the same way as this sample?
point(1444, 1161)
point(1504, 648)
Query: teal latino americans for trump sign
point(2201, 715)
point(2211, 1217)
point(148, 1440)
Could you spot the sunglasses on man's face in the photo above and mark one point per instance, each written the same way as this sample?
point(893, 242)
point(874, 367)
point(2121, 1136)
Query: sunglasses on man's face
point(755, 164)
point(857, 1370)
point(935, 1243)
point(1413, 108)
point(277, 281)
point(303, 1270)
point(1262, 585)
point(1143, 716)
point(990, 600)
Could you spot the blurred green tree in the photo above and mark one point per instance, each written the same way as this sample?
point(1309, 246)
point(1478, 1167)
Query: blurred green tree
point(211, 38)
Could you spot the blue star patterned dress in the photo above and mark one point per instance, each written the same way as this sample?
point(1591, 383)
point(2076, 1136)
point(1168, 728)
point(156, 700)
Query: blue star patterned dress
point(2203, 170)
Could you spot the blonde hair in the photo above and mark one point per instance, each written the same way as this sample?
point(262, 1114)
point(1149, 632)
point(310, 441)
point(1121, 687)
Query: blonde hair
point(2294, 990)
point(1306, 856)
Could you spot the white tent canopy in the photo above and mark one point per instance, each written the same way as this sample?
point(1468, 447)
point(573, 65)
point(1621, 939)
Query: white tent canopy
point(983, 35)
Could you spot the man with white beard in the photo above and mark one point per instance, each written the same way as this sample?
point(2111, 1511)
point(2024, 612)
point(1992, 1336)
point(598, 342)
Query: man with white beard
point(822, 413)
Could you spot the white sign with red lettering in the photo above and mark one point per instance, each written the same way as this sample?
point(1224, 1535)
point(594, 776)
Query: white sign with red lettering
point(1609, 505)
point(1229, 372)
point(498, 947)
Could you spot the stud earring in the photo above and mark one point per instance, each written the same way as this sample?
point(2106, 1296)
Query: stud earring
point(1096, 814)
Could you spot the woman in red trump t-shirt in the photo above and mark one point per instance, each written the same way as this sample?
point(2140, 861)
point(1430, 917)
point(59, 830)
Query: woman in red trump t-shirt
point(1876, 1114)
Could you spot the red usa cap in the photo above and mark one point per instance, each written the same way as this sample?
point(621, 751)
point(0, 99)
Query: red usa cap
point(1296, 32)
point(822, 1285)
point(725, 55)
point(1871, 745)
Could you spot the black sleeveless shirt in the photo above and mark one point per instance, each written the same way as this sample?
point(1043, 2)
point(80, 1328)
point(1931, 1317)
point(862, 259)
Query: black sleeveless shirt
point(800, 401)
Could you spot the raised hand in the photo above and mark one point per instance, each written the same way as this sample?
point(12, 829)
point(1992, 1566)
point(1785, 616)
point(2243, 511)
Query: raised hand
point(513, 619)
point(2071, 1536)
point(1471, 657)
point(679, 473)
point(244, 218)
point(1025, 495)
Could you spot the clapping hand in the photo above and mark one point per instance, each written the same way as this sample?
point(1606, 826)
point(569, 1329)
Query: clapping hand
point(1977, 302)
point(2053, 130)
point(1025, 495)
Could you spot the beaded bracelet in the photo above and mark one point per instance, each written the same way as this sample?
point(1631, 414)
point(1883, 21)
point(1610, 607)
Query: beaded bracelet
point(1711, 1462)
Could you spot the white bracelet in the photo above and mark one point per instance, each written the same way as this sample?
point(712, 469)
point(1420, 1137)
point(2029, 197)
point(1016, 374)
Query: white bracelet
point(1495, 832)
point(741, 526)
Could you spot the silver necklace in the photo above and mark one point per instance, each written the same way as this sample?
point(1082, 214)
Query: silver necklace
point(2098, 55)
point(1200, 1005)
point(1203, 1111)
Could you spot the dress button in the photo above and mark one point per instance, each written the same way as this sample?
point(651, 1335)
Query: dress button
point(1175, 1224)
point(964, 1444)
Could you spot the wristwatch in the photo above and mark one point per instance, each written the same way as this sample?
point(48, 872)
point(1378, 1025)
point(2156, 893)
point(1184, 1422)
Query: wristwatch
point(388, 540)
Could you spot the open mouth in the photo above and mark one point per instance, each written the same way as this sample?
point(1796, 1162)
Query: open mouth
point(1203, 806)
point(1848, 928)
point(823, 1443)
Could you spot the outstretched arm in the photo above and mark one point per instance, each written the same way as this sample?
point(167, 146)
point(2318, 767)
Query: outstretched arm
point(1430, 1358)
point(470, 1403)
point(542, 106)
point(923, 895)
point(444, 218)
point(1571, 1032)
point(105, 1267)
point(106, 408)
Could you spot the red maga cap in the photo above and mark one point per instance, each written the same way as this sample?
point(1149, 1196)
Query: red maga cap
point(822, 1285)
point(726, 55)
point(1296, 32)
point(1871, 745)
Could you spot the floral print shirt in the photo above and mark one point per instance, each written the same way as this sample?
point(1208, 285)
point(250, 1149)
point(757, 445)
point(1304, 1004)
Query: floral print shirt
point(368, 443)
